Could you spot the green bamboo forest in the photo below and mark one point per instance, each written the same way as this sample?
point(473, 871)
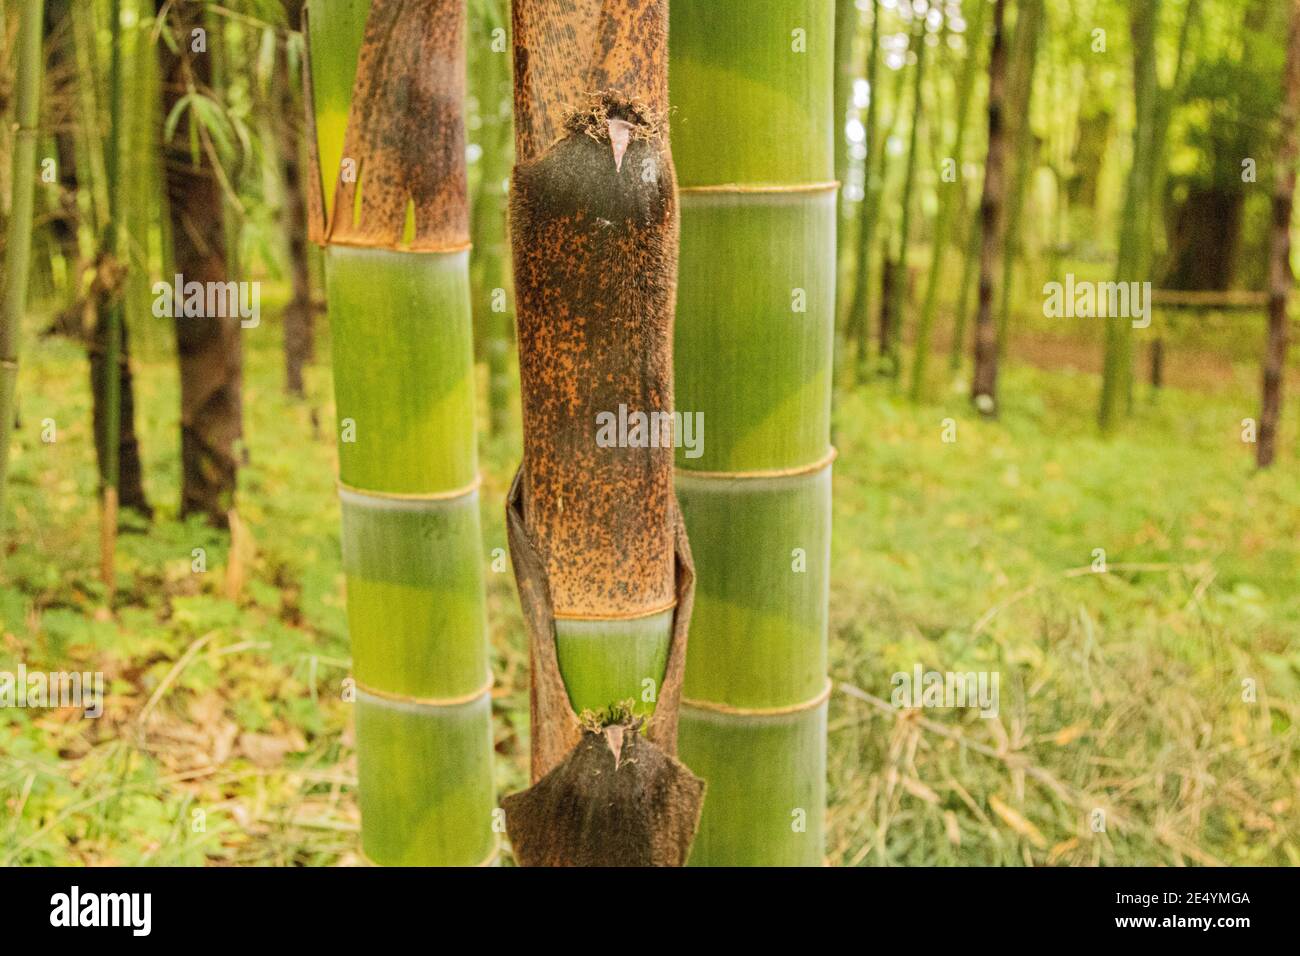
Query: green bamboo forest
point(649, 433)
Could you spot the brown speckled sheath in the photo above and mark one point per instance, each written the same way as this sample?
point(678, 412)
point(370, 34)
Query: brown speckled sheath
point(406, 126)
point(595, 532)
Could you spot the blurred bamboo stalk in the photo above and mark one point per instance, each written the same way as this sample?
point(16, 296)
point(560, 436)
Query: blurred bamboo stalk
point(18, 237)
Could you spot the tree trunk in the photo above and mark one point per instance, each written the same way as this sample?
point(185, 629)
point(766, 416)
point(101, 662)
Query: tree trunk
point(130, 472)
point(1206, 235)
point(1024, 59)
point(299, 344)
point(1279, 249)
point(888, 318)
point(1157, 364)
point(984, 384)
point(208, 347)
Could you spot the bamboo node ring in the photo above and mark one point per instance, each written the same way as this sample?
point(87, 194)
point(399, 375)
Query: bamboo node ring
point(427, 701)
point(718, 708)
point(455, 493)
point(818, 465)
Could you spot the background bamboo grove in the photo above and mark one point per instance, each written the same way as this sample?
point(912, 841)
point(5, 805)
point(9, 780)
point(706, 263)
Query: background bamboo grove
point(367, 582)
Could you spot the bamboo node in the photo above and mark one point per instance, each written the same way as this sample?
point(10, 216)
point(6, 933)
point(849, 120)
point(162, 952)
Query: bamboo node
point(614, 615)
point(428, 701)
point(760, 188)
point(719, 708)
point(462, 492)
point(818, 465)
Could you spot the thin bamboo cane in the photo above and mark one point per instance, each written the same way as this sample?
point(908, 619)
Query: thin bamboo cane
point(113, 314)
point(859, 323)
point(491, 266)
point(752, 97)
point(18, 240)
point(948, 202)
point(893, 365)
point(397, 281)
point(1279, 247)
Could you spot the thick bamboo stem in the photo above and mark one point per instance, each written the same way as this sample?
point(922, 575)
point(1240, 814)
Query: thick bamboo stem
point(595, 533)
point(389, 201)
point(755, 329)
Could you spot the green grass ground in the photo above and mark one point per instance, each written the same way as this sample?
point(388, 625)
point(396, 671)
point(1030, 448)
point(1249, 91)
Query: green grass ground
point(1123, 735)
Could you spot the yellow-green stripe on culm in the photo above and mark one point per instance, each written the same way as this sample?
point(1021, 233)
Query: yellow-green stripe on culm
point(426, 781)
point(397, 279)
point(751, 91)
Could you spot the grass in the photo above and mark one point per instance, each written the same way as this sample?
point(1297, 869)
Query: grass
point(1122, 735)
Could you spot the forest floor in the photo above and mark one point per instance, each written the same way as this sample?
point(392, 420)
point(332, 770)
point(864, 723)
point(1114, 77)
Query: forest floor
point(1148, 715)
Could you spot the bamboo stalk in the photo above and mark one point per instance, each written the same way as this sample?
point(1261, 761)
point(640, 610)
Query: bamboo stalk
point(397, 281)
point(755, 324)
point(1280, 278)
point(18, 239)
point(113, 314)
point(595, 535)
point(984, 379)
point(1134, 259)
point(948, 201)
point(859, 322)
point(893, 337)
point(491, 262)
point(1024, 59)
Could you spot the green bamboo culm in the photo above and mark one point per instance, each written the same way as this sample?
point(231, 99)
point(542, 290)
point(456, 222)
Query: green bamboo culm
point(490, 267)
point(948, 202)
point(754, 345)
point(891, 344)
point(18, 239)
point(389, 203)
